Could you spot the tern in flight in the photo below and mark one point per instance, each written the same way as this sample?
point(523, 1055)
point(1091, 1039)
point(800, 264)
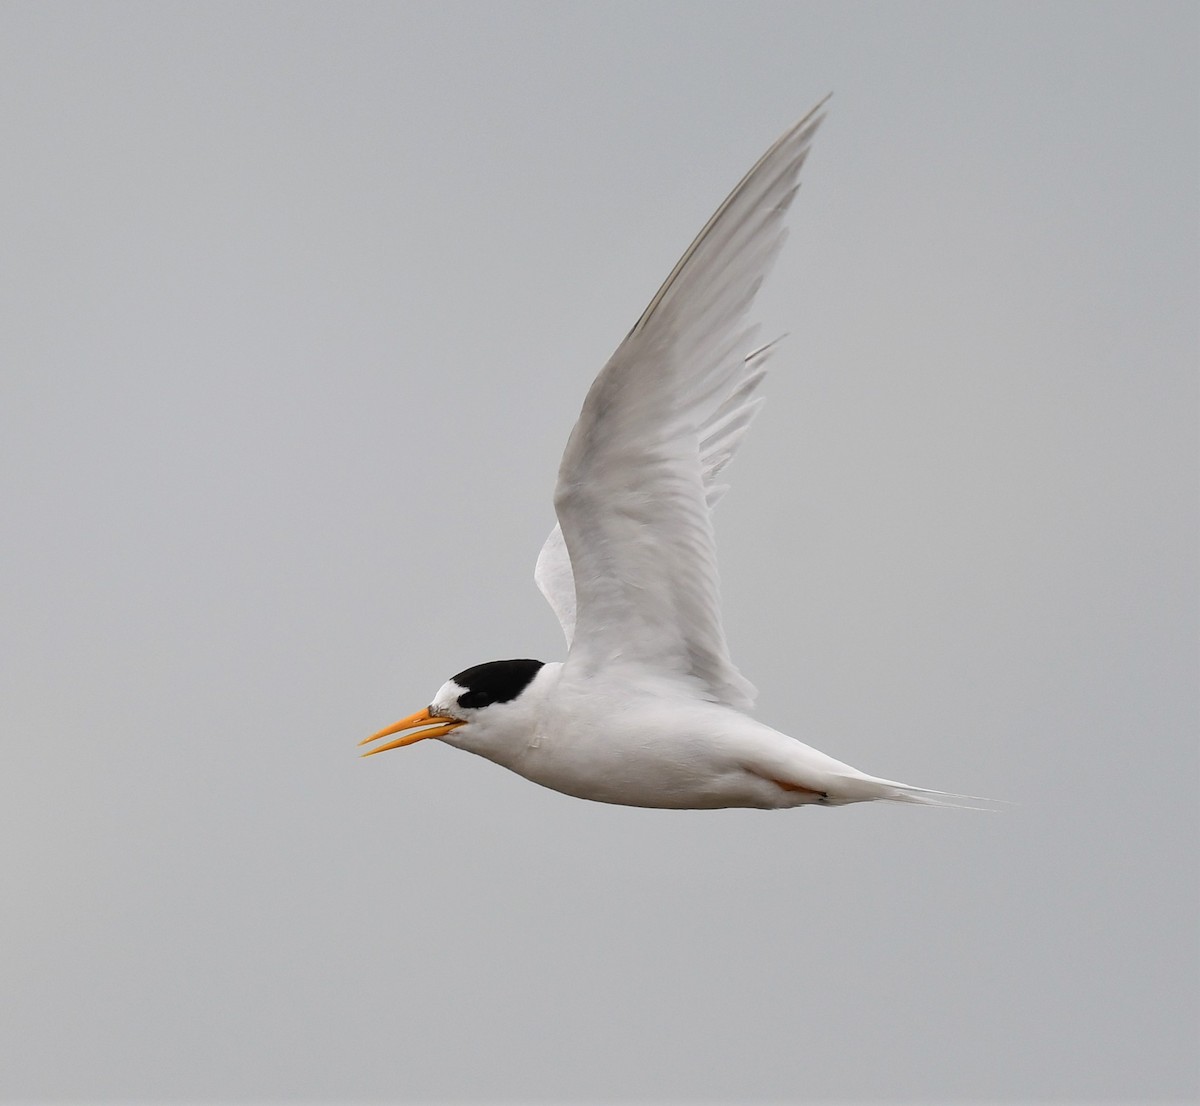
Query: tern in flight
point(648, 709)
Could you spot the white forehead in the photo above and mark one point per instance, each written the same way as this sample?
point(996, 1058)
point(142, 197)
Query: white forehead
point(448, 694)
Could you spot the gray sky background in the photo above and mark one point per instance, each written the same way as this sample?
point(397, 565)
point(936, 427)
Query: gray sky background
point(299, 304)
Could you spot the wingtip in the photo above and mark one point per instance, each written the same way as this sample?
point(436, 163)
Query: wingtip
point(757, 356)
point(815, 114)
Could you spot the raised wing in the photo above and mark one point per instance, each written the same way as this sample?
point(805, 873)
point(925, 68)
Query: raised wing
point(638, 477)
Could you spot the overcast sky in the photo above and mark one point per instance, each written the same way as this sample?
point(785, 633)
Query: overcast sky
point(299, 305)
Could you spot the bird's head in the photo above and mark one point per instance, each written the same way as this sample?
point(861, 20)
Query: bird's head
point(475, 710)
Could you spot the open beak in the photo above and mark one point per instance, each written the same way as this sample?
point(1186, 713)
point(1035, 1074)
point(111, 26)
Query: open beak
point(437, 724)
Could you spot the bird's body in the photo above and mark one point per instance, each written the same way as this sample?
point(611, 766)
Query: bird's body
point(621, 738)
point(648, 709)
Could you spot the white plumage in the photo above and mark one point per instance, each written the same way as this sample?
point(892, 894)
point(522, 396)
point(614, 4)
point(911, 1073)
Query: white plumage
point(648, 709)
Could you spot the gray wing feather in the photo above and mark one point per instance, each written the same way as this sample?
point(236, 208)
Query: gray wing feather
point(722, 434)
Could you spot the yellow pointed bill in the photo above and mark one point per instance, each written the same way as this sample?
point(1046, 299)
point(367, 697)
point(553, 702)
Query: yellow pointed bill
point(436, 724)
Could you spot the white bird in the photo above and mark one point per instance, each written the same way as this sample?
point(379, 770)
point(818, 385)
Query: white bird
point(648, 709)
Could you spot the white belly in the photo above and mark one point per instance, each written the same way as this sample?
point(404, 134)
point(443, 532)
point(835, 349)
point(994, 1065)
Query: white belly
point(682, 754)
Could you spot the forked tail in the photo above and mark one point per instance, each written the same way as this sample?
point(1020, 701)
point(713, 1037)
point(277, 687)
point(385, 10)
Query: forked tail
point(858, 789)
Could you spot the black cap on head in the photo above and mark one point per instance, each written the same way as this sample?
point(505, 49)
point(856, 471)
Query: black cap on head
point(495, 681)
